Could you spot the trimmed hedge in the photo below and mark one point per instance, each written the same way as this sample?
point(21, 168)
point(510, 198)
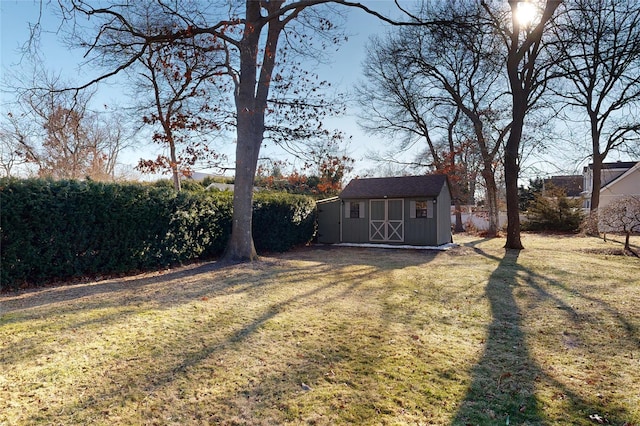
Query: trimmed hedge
point(57, 230)
point(282, 221)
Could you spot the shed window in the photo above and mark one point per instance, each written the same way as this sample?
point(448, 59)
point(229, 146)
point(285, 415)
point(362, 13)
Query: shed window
point(354, 210)
point(421, 209)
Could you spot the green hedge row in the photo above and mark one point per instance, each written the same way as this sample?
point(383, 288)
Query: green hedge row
point(57, 230)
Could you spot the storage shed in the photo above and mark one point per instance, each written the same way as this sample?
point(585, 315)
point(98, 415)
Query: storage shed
point(409, 210)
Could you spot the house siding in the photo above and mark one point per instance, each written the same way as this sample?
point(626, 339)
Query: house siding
point(618, 180)
point(627, 186)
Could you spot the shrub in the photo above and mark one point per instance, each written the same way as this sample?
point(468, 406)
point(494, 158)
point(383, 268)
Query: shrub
point(185, 184)
point(282, 221)
point(63, 229)
point(57, 230)
point(554, 211)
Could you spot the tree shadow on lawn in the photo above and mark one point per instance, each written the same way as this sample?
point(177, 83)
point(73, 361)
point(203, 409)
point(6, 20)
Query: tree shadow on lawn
point(103, 304)
point(184, 275)
point(507, 377)
point(220, 283)
point(40, 296)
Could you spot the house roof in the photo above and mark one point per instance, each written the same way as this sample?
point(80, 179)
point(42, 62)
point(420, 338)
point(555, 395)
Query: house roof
point(571, 184)
point(630, 171)
point(617, 165)
point(395, 187)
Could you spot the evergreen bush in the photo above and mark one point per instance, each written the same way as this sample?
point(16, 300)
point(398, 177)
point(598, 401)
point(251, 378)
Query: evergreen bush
point(282, 221)
point(58, 230)
point(552, 210)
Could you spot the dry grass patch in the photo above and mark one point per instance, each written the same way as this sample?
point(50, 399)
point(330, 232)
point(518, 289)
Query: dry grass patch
point(550, 335)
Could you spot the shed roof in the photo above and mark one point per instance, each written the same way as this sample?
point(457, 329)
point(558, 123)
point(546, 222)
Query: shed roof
point(395, 187)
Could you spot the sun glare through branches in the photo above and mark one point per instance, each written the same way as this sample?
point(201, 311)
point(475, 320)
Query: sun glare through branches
point(526, 13)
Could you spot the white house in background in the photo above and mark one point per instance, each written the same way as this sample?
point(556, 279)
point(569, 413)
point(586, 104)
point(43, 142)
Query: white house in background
point(618, 180)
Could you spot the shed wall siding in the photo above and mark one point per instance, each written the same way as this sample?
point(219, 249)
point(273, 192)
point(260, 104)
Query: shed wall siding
point(355, 230)
point(329, 217)
point(417, 231)
point(420, 231)
point(398, 224)
point(444, 216)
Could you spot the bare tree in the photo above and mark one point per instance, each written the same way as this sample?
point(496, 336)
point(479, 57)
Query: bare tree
point(110, 132)
point(400, 105)
point(622, 215)
point(527, 63)
point(599, 41)
point(175, 83)
point(59, 133)
point(12, 141)
point(250, 33)
point(429, 75)
point(464, 66)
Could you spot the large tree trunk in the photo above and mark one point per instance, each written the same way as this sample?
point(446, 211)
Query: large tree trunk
point(512, 148)
point(593, 228)
point(240, 247)
point(511, 173)
point(598, 157)
point(522, 80)
point(455, 194)
point(513, 212)
point(250, 129)
point(251, 103)
point(459, 226)
point(596, 177)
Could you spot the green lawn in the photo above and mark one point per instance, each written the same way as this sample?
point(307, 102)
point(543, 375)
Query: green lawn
point(550, 335)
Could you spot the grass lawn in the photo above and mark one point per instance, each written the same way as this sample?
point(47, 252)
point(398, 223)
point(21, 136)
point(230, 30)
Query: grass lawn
point(475, 335)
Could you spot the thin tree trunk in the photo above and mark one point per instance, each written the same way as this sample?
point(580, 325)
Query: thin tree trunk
point(174, 163)
point(627, 246)
point(488, 172)
point(455, 194)
point(459, 226)
point(492, 203)
point(596, 182)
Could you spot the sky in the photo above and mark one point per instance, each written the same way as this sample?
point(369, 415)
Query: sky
point(343, 72)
